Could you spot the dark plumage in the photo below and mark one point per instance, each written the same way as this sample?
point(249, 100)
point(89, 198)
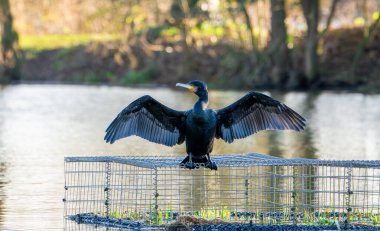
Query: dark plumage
point(151, 120)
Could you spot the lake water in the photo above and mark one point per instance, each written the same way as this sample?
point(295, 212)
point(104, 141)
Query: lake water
point(41, 124)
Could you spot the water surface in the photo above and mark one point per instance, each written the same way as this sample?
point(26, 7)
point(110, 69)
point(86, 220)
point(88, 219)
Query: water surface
point(41, 124)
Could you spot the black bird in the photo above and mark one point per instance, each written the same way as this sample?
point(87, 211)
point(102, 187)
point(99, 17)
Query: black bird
point(151, 120)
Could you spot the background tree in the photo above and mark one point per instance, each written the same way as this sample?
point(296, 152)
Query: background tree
point(9, 60)
point(311, 59)
point(234, 43)
point(248, 21)
point(277, 47)
point(369, 34)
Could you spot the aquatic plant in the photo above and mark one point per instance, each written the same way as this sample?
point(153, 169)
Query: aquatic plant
point(328, 217)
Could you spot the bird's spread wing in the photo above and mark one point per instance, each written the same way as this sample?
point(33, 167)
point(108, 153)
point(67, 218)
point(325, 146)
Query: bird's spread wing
point(255, 112)
point(149, 119)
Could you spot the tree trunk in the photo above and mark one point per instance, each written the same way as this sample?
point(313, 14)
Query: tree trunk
point(277, 47)
point(360, 50)
point(311, 59)
point(251, 37)
point(9, 59)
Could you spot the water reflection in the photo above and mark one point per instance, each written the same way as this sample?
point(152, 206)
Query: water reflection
point(306, 146)
point(40, 124)
point(3, 164)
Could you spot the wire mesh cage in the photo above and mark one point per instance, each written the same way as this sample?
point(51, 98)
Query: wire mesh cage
point(250, 189)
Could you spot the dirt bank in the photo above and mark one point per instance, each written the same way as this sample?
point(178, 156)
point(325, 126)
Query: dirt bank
point(221, 65)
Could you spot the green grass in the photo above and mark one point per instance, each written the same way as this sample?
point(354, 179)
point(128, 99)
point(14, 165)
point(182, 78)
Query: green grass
point(161, 217)
point(55, 41)
point(213, 213)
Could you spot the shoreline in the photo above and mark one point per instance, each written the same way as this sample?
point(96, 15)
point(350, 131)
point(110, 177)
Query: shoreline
point(341, 90)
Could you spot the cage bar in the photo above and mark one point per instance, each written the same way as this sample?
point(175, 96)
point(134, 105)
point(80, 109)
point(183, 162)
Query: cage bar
point(251, 189)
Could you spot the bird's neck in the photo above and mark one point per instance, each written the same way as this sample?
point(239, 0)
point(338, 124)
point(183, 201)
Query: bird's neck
point(201, 105)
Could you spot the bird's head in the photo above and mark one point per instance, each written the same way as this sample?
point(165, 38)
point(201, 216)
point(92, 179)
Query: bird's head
point(196, 86)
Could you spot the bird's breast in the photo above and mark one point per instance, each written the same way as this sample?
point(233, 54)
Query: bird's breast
point(200, 133)
point(201, 123)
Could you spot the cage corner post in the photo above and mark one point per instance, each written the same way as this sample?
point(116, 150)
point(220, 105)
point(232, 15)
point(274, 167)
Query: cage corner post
point(294, 195)
point(107, 189)
point(349, 192)
point(154, 214)
point(64, 199)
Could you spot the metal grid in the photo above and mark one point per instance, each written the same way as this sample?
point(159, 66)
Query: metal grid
point(250, 188)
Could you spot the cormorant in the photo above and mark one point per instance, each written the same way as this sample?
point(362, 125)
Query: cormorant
point(151, 120)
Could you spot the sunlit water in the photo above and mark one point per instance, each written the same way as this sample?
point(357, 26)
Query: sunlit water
point(41, 124)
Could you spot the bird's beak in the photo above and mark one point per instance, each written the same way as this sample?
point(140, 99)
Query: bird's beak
point(188, 86)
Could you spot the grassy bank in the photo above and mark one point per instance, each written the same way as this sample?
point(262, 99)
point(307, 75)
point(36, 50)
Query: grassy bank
point(59, 41)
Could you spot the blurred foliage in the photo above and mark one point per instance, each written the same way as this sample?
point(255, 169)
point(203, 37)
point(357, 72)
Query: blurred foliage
point(223, 41)
point(139, 76)
point(10, 65)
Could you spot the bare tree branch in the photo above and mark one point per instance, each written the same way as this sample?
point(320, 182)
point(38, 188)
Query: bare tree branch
point(334, 3)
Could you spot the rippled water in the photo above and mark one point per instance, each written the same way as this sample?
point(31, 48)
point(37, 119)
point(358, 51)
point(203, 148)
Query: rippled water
point(41, 124)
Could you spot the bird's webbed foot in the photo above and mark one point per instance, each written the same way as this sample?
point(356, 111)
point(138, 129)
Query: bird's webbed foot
point(188, 163)
point(211, 165)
